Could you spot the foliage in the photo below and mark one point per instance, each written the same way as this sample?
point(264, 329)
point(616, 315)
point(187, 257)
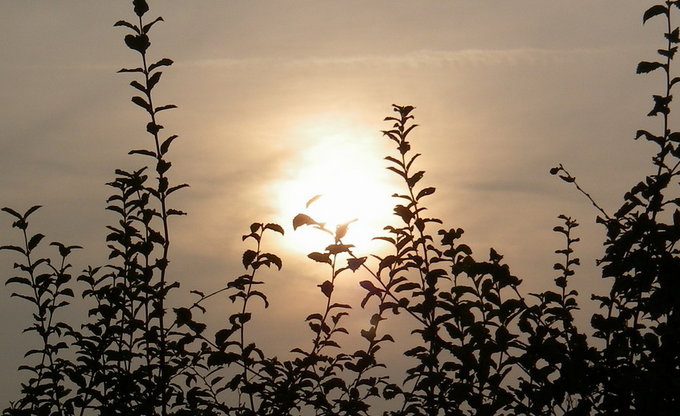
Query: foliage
point(483, 347)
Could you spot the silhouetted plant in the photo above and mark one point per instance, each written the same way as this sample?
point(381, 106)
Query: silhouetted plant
point(45, 286)
point(640, 324)
point(477, 344)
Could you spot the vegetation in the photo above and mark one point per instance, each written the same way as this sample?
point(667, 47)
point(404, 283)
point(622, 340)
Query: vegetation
point(484, 347)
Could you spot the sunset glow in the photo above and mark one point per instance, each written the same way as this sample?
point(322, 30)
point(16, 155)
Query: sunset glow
point(280, 107)
point(341, 167)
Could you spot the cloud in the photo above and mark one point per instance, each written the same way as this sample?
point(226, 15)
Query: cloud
point(419, 58)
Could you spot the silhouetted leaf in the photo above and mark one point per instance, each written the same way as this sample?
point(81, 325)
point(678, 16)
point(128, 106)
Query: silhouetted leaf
point(127, 24)
point(183, 316)
point(248, 257)
point(660, 105)
point(162, 166)
point(341, 230)
point(34, 241)
point(12, 212)
point(162, 62)
point(221, 358)
point(326, 288)
point(396, 162)
point(18, 279)
point(274, 227)
point(31, 210)
point(425, 192)
point(302, 219)
point(131, 70)
point(142, 152)
point(138, 86)
point(140, 7)
point(276, 260)
point(649, 136)
point(654, 11)
point(369, 286)
point(407, 286)
point(397, 171)
point(338, 248)
point(413, 180)
point(153, 80)
point(320, 257)
point(139, 43)
point(355, 263)
point(645, 67)
point(312, 200)
point(668, 53)
point(13, 248)
point(165, 146)
point(142, 103)
point(403, 212)
point(148, 26)
point(314, 317)
point(257, 293)
point(222, 336)
point(164, 107)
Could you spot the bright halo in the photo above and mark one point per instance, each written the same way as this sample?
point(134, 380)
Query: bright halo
point(341, 168)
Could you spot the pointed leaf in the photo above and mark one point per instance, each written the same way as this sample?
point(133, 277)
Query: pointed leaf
point(153, 80)
point(35, 240)
point(355, 263)
point(175, 188)
point(148, 26)
point(142, 103)
point(654, 11)
point(13, 248)
point(303, 219)
point(166, 144)
point(274, 227)
point(425, 192)
point(142, 152)
point(138, 86)
point(31, 210)
point(12, 212)
point(20, 280)
point(320, 257)
point(164, 107)
point(248, 257)
point(326, 288)
point(162, 62)
point(312, 200)
point(130, 70)
point(645, 67)
point(126, 24)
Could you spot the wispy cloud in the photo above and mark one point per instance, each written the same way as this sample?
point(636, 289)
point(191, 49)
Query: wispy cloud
point(420, 58)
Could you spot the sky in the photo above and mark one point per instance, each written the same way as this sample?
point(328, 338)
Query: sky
point(281, 100)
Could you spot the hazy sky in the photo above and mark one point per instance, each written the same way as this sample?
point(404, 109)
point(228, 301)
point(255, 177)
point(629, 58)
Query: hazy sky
point(279, 98)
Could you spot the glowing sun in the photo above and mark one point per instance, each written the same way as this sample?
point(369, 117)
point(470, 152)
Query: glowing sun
point(340, 172)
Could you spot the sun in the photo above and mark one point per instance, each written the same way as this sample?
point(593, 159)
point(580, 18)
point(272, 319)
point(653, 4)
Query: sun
point(338, 177)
